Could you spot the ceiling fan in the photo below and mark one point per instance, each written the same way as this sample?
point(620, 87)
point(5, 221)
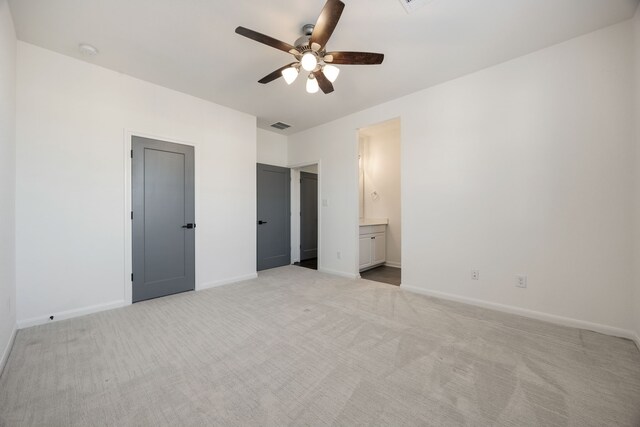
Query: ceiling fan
point(310, 52)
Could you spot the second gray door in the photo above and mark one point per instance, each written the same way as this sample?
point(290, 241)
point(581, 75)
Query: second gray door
point(308, 216)
point(163, 218)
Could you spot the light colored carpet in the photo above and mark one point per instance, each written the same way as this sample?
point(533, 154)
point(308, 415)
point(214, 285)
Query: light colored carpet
point(298, 347)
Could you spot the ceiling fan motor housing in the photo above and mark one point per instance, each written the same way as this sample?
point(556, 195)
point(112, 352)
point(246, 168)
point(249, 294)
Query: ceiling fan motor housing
point(307, 29)
point(302, 43)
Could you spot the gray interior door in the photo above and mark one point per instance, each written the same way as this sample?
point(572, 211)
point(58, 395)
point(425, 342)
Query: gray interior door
point(274, 216)
point(163, 218)
point(308, 216)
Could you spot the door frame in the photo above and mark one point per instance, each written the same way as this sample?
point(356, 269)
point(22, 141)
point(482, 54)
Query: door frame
point(315, 178)
point(127, 290)
point(295, 208)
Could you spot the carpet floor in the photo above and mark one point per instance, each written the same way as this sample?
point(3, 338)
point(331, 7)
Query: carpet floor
point(299, 347)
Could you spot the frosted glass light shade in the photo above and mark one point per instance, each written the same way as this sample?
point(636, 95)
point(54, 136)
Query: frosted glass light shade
point(312, 85)
point(331, 72)
point(290, 74)
point(309, 61)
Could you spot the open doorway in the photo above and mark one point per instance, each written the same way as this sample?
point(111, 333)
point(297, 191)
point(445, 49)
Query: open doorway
point(304, 222)
point(380, 228)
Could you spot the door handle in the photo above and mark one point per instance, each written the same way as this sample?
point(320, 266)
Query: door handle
point(190, 225)
point(262, 222)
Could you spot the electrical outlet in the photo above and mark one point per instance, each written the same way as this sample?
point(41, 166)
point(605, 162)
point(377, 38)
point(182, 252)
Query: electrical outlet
point(475, 274)
point(339, 255)
point(521, 281)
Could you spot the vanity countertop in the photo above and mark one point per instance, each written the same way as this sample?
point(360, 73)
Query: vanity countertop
point(373, 221)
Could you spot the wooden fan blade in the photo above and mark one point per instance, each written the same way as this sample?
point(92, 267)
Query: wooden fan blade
point(354, 58)
point(269, 41)
point(277, 73)
point(325, 85)
point(326, 22)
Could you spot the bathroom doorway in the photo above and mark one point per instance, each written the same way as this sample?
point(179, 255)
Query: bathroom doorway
point(380, 228)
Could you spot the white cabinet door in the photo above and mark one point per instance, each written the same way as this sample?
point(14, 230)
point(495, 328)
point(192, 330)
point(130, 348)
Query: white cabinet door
point(379, 244)
point(365, 251)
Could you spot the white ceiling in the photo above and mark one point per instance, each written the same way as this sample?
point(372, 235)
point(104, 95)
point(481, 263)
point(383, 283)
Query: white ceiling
point(190, 45)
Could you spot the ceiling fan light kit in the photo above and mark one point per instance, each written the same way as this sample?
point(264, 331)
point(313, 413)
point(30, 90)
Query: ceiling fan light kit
point(309, 61)
point(290, 74)
point(312, 84)
point(310, 52)
point(331, 72)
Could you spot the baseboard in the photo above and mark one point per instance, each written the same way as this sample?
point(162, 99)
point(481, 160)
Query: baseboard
point(538, 315)
point(7, 349)
point(338, 273)
point(393, 264)
point(69, 314)
point(228, 281)
point(35, 321)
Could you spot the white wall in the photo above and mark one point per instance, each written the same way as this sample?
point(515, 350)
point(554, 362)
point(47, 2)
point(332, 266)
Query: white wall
point(271, 148)
point(337, 150)
point(523, 168)
point(7, 180)
point(381, 162)
point(73, 246)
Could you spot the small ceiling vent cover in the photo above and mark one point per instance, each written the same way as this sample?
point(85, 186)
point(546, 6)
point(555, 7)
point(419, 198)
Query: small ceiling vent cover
point(412, 5)
point(280, 125)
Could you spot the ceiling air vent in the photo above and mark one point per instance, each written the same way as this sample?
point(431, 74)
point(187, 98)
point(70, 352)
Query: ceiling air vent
point(280, 125)
point(413, 5)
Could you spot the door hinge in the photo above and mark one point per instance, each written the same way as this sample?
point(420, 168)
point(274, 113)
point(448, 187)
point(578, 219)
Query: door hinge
point(132, 277)
point(132, 154)
point(131, 214)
